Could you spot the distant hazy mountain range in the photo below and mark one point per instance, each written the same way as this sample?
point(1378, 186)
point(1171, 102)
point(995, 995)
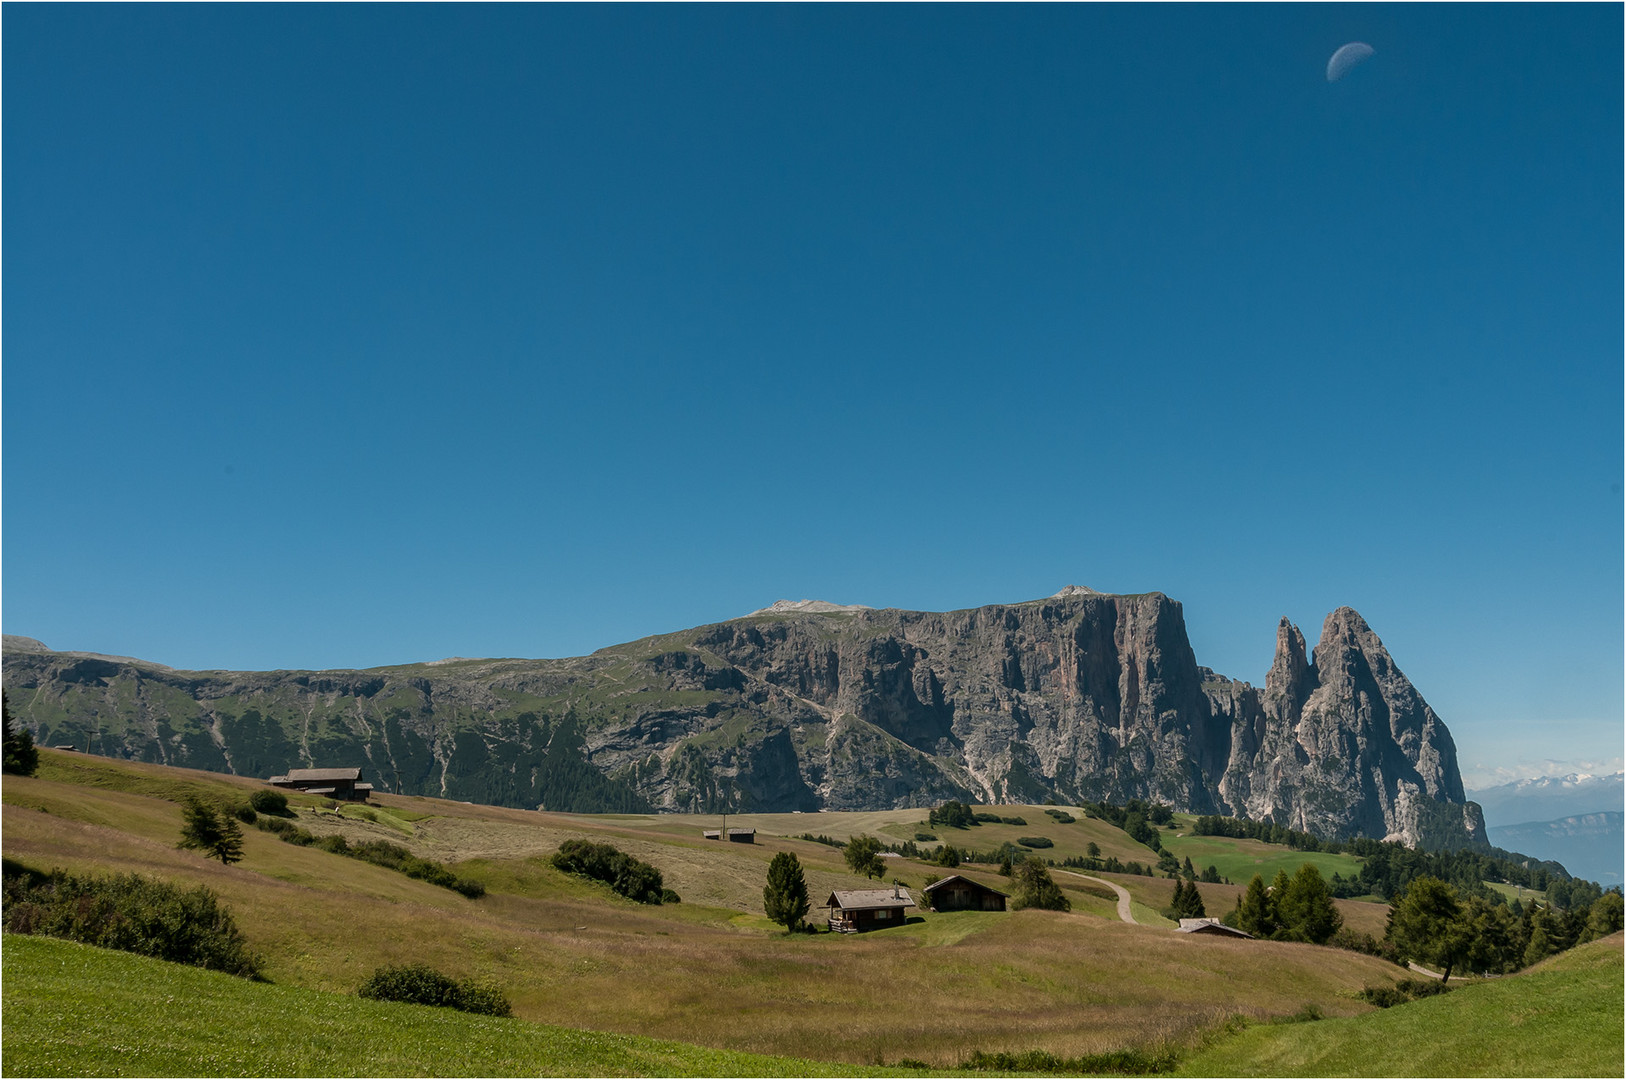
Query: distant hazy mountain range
point(1575, 819)
point(807, 705)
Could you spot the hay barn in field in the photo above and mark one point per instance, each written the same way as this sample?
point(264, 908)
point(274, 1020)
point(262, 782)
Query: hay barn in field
point(956, 893)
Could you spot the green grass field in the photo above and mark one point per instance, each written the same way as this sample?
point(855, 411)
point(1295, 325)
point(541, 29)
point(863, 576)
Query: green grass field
point(1561, 1018)
point(73, 1010)
point(1239, 860)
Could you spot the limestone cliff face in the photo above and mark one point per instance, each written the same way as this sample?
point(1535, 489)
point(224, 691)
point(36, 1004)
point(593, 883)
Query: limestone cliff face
point(807, 706)
point(1347, 745)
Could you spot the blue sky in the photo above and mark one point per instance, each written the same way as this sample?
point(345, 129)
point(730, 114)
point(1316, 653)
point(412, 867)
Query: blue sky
point(344, 336)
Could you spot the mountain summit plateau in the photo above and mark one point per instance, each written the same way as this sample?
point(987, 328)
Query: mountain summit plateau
point(809, 705)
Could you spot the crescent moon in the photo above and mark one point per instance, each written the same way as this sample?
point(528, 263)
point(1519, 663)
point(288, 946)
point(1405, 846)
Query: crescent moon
point(1346, 58)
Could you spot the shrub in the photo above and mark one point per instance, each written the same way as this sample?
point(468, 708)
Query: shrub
point(1116, 1062)
point(1035, 887)
point(131, 913)
point(668, 896)
point(269, 801)
point(923, 837)
point(1034, 841)
point(1062, 817)
point(1384, 997)
point(245, 814)
point(1014, 820)
point(992, 819)
point(418, 984)
point(621, 872)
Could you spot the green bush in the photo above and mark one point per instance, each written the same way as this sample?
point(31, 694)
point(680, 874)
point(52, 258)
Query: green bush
point(245, 814)
point(269, 801)
point(1034, 841)
point(624, 874)
point(1014, 820)
point(923, 837)
point(1062, 817)
point(668, 896)
point(1114, 1062)
point(992, 819)
point(128, 912)
point(418, 984)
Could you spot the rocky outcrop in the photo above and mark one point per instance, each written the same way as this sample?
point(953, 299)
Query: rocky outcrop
point(808, 705)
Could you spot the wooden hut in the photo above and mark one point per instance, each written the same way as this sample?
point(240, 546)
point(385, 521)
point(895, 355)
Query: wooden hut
point(334, 783)
point(956, 893)
point(855, 910)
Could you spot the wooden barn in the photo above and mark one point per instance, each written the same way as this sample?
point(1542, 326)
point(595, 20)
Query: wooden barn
point(736, 836)
point(855, 910)
point(956, 893)
point(334, 783)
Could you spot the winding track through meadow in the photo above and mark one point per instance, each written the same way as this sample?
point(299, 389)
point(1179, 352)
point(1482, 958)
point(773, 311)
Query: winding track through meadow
point(1123, 896)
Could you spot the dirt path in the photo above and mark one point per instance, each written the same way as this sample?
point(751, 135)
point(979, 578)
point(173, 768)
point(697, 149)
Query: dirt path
point(1123, 895)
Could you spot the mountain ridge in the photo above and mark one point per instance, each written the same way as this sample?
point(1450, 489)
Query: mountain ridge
point(1081, 695)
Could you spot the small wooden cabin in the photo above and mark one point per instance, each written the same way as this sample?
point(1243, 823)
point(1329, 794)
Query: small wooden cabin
point(956, 893)
point(1210, 926)
point(334, 783)
point(856, 910)
point(736, 836)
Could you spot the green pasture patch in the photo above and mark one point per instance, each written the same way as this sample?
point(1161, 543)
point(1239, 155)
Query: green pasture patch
point(1561, 1018)
point(1517, 892)
point(74, 1010)
point(1240, 859)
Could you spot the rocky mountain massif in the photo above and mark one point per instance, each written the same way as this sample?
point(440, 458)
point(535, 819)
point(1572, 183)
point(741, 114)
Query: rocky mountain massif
point(806, 706)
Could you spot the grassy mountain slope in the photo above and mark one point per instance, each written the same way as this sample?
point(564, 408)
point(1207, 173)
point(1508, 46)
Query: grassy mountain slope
point(74, 1010)
point(711, 970)
point(1561, 1018)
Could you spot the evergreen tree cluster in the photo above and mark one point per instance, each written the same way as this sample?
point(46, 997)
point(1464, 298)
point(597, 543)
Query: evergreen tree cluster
point(1187, 902)
point(1300, 908)
point(1136, 817)
point(1111, 864)
point(953, 815)
point(1436, 926)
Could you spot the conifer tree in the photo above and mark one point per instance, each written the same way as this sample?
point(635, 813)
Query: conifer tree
point(215, 834)
point(784, 898)
point(1306, 908)
point(1255, 911)
point(21, 755)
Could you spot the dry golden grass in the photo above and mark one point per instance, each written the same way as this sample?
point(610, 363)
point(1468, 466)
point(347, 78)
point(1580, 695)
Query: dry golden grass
point(711, 970)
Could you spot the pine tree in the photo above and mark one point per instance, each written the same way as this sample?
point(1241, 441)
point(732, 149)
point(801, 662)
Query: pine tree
point(1306, 908)
point(215, 834)
point(784, 898)
point(1188, 871)
point(1255, 912)
point(21, 755)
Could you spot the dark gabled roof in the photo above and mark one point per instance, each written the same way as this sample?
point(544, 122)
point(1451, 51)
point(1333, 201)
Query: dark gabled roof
point(297, 775)
point(974, 884)
point(869, 899)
